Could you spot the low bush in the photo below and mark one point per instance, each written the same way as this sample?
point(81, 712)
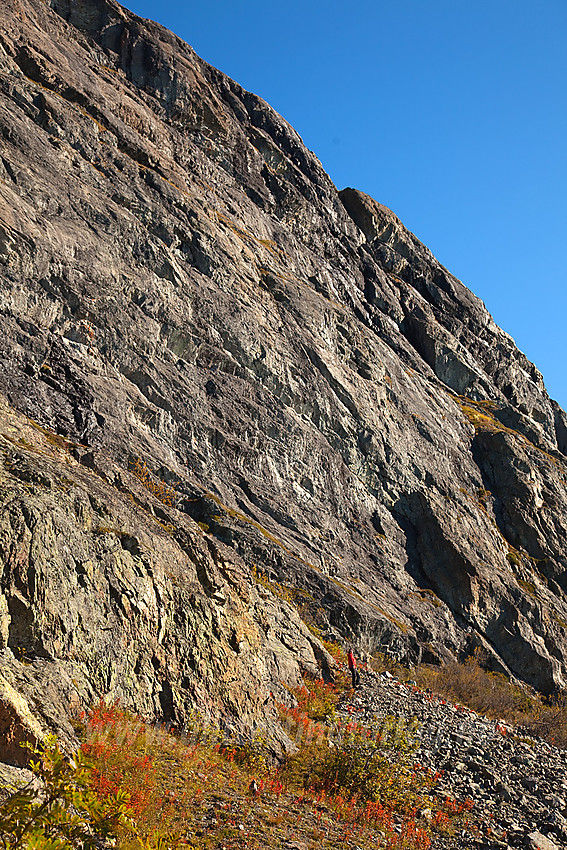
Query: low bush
point(369, 765)
point(67, 814)
point(317, 699)
point(158, 488)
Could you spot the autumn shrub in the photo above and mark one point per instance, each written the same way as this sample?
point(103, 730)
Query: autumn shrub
point(250, 753)
point(317, 699)
point(548, 719)
point(168, 776)
point(128, 755)
point(468, 683)
point(347, 785)
point(65, 813)
point(367, 776)
point(372, 765)
point(158, 488)
point(140, 787)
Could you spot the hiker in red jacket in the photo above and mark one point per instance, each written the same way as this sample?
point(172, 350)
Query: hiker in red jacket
point(352, 667)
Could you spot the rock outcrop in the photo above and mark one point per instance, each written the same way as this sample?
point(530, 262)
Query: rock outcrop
point(185, 293)
point(109, 591)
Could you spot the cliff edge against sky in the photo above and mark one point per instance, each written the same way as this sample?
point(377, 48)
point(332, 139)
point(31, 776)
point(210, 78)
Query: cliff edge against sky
point(217, 366)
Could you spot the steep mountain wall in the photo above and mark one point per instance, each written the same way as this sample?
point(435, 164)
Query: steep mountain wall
point(108, 590)
point(184, 288)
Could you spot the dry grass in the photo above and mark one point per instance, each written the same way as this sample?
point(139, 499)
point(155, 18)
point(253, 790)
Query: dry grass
point(347, 786)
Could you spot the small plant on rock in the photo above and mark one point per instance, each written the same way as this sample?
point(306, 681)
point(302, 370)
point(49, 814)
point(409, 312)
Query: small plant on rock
point(159, 489)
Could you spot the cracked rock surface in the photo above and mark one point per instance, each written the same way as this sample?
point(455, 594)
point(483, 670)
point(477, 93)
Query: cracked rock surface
point(107, 592)
point(183, 287)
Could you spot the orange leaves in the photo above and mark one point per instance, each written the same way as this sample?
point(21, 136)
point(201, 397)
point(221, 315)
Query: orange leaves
point(159, 489)
point(171, 782)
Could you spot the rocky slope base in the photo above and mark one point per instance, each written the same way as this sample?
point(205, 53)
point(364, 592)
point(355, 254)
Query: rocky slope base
point(517, 782)
point(185, 292)
point(490, 785)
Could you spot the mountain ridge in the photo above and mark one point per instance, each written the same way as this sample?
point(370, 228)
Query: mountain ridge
point(186, 292)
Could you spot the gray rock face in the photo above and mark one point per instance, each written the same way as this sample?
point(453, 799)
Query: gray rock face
point(183, 284)
point(107, 591)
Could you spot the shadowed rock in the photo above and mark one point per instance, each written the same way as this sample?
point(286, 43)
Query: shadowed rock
point(184, 287)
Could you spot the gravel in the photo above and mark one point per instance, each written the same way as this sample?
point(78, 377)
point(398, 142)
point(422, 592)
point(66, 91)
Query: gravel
point(518, 785)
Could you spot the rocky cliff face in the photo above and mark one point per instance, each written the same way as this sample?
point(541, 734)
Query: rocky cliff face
point(108, 590)
point(185, 292)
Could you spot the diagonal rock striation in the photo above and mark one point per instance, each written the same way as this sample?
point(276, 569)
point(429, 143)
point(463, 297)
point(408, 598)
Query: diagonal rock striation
point(185, 292)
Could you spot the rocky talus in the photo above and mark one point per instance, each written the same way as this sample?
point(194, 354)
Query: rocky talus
point(517, 784)
point(235, 395)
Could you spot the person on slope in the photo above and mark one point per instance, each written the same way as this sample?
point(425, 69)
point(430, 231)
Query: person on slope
point(353, 669)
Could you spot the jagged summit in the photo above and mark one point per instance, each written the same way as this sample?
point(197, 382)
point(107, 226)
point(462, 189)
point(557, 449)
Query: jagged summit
point(189, 303)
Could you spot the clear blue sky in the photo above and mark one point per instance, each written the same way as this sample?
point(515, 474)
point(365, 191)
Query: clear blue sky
point(452, 113)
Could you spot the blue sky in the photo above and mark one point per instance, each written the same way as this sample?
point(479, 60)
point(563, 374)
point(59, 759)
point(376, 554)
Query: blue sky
point(452, 113)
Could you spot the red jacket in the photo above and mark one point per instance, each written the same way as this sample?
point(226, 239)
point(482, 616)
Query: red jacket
point(351, 661)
